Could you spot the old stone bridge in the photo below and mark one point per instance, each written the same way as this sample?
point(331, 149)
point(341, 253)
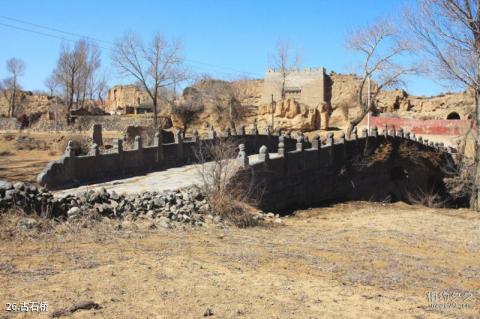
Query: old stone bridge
point(290, 172)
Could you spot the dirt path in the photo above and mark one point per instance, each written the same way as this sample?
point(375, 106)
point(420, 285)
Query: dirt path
point(358, 260)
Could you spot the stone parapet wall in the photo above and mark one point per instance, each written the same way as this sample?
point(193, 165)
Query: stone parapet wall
point(392, 165)
point(71, 170)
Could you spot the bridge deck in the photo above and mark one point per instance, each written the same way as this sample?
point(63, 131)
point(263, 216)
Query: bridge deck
point(170, 179)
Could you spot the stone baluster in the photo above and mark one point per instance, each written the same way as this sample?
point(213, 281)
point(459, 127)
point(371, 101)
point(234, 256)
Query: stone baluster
point(354, 134)
point(178, 136)
point(299, 145)
point(179, 142)
point(281, 146)
point(330, 140)
point(195, 137)
point(137, 144)
point(255, 129)
point(242, 157)
point(118, 146)
point(158, 143)
point(316, 142)
point(375, 132)
point(242, 131)
point(400, 132)
point(70, 149)
point(263, 155)
point(94, 150)
point(365, 132)
point(342, 138)
point(278, 132)
point(212, 134)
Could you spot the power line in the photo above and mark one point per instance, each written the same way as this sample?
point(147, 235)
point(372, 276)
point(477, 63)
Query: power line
point(227, 70)
point(54, 29)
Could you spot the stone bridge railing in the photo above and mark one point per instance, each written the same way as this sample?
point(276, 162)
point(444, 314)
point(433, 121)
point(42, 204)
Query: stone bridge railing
point(355, 169)
point(297, 157)
point(71, 170)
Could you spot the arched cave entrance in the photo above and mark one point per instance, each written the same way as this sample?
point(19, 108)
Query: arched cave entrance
point(453, 116)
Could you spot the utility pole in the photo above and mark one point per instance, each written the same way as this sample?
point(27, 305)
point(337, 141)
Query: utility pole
point(368, 107)
point(273, 111)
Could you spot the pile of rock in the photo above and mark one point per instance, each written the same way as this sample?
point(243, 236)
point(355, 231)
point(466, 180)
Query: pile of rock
point(167, 209)
point(183, 206)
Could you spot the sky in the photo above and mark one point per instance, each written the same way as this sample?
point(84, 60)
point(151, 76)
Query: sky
point(226, 39)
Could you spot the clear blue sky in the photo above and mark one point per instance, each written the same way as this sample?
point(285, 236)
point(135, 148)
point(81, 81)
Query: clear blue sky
point(222, 38)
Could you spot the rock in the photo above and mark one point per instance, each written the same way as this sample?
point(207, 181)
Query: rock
point(278, 221)
point(164, 224)
point(5, 185)
point(113, 203)
point(73, 212)
point(150, 214)
point(208, 312)
point(27, 223)
point(19, 186)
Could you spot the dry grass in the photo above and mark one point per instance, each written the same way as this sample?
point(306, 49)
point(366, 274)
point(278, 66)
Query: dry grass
point(81, 144)
point(217, 166)
point(416, 154)
point(428, 198)
point(356, 260)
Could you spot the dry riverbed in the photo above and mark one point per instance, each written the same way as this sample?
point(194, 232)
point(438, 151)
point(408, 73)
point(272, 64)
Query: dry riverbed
point(356, 260)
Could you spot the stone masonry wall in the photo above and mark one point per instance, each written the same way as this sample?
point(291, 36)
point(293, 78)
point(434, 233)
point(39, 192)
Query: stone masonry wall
point(9, 124)
point(71, 170)
point(108, 122)
point(347, 170)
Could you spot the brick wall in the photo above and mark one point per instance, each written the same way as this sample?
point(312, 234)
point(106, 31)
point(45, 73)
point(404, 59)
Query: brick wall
point(426, 127)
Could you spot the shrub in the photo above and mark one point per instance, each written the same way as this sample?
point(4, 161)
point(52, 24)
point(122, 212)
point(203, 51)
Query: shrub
point(81, 144)
point(217, 165)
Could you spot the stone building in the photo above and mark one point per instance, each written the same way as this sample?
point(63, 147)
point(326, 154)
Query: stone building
point(308, 86)
point(128, 99)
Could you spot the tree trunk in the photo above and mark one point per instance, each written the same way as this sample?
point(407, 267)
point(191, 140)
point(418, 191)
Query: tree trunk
point(155, 113)
point(475, 197)
point(474, 200)
point(356, 121)
point(14, 97)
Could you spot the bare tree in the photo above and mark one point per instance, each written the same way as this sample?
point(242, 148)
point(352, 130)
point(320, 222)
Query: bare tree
point(381, 48)
point(11, 86)
point(101, 88)
point(75, 68)
point(448, 34)
point(226, 98)
point(285, 61)
point(155, 66)
point(187, 108)
point(227, 198)
point(51, 84)
point(88, 79)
